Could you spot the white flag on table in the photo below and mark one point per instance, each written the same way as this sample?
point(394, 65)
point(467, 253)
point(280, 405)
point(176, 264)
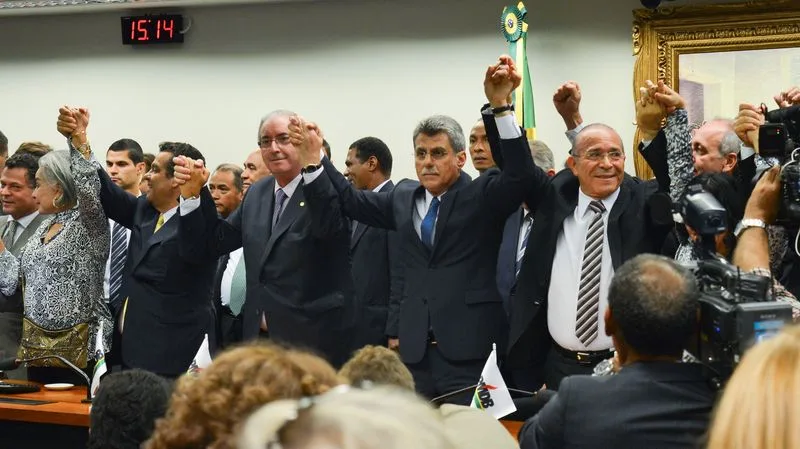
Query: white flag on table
point(492, 394)
point(203, 358)
point(100, 367)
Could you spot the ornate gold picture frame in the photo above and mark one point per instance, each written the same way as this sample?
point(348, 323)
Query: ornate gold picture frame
point(660, 36)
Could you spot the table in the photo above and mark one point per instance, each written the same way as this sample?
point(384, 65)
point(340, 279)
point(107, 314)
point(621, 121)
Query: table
point(62, 423)
point(513, 427)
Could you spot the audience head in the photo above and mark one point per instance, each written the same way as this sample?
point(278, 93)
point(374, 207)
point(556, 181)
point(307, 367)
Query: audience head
point(715, 147)
point(326, 147)
point(35, 149)
point(386, 418)
point(3, 147)
point(124, 412)
point(759, 407)
point(164, 188)
point(598, 160)
point(368, 163)
point(439, 153)
point(17, 182)
point(725, 189)
point(125, 164)
point(479, 150)
point(55, 187)
point(254, 169)
point(226, 188)
point(542, 156)
point(144, 186)
point(282, 158)
point(377, 365)
point(206, 411)
point(652, 309)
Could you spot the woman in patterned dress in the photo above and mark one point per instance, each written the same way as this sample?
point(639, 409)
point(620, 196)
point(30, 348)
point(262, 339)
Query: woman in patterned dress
point(63, 264)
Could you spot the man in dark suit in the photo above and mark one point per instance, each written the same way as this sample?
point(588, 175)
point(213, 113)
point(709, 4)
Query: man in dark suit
point(299, 287)
point(168, 307)
point(374, 252)
point(655, 401)
point(589, 220)
point(18, 225)
point(450, 312)
point(226, 188)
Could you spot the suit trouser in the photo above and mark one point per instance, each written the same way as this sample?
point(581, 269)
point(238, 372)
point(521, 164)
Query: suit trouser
point(10, 337)
point(230, 329)
point(435, 375)
point(557, 367)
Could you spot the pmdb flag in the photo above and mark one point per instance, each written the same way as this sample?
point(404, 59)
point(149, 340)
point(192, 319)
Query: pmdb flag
point(202, 359)
point(492, 394)
point(100, 367)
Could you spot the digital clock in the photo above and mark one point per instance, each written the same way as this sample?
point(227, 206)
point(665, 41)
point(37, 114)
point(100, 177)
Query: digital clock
point(157, 29)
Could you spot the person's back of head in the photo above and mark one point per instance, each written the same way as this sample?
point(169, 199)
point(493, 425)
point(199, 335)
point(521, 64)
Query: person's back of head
point(379, 366)
point(652, 308)
point(383, 417)
point(759, 408)
point(125, 410)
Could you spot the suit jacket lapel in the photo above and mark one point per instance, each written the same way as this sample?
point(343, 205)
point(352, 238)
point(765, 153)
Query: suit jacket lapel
point(613, 232)
point(27, 233)
point(147, 227)
point(291, 211)
point(361, 228)
point(446, 207)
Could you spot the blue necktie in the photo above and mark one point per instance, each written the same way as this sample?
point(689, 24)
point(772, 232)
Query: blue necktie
point(428, 223)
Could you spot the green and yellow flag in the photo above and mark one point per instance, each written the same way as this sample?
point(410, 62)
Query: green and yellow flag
point(515, 30)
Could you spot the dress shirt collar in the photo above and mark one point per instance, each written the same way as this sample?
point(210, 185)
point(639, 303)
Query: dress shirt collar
point(380, 186)
point(168, 214)
point(291, 187)
point(26, 220)
point(429, 197)
point(584, 200)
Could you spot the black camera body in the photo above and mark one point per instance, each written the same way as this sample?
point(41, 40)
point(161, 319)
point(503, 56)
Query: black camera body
point(777, 139)
point(737, 310)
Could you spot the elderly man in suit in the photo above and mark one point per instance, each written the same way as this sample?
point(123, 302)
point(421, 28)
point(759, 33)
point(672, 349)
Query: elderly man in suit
point(450, 312)
point(374, 252)
point(589, 220)
point(22, 218)
point(298, 282)
point(655, 401)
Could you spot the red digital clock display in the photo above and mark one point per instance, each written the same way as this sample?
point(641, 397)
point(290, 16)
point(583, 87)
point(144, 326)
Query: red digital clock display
point(160, 29)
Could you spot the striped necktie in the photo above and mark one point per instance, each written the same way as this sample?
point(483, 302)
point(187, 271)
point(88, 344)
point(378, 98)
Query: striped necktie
point(586, 324)
point(527, 224)
point(119, 252)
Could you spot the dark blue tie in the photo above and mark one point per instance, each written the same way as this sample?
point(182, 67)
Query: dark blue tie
point(428, 223)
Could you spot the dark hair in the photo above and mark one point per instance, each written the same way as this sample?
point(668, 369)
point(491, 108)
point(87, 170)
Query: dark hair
point(326, 147)
point(148, 159)
point(724, 188)
point(653, 300)
point(236, 171)
point(126, 408)
point(3, 144)
point(372, 146)
point(135, 153)
point(179, 149)
point(27, 161)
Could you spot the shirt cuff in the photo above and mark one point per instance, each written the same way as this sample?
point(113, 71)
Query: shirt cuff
point(507, 126)
point(189, 206)
point(308, 178)
point(573, 133)
point(746, 152)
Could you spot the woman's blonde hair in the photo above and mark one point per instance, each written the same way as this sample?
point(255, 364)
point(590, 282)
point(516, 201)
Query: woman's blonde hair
point(206, 411)
point(760, 407)
point(383, 417)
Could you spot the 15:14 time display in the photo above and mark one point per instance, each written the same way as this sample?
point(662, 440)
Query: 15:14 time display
point(138, 30)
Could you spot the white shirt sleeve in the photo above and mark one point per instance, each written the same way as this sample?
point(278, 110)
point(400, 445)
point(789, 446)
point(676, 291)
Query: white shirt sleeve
point(572, 133)
point(507, 126)
point(189, 206)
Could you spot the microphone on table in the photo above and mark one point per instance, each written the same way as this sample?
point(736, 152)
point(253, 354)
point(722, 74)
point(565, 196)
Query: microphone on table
point(439, 399)
point(14, 363)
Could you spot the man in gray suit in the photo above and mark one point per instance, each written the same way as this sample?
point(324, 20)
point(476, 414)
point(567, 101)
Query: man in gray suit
point(654, 401)
point(20, 223)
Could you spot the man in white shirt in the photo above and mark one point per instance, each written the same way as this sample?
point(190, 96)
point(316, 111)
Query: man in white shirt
point(20, 223)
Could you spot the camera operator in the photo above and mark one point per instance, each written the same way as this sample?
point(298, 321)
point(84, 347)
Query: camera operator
point(752, 252)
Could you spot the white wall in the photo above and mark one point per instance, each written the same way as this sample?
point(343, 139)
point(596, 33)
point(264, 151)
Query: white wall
point(357, 67)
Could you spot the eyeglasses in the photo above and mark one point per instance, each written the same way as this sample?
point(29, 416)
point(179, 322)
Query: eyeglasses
point(436, 154)
point(597, 156)
point(282, 140)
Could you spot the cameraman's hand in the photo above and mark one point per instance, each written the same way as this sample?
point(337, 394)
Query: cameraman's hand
point(747, 124)
point(765, 199)
point(788, 97)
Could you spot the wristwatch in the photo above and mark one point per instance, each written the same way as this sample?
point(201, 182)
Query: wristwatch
point(748, 223)
point(311, 168)
point(501, 109)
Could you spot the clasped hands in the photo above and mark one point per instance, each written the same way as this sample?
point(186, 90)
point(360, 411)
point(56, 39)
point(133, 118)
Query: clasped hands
point(500, 81)
point(655, 103)
point(72, 123)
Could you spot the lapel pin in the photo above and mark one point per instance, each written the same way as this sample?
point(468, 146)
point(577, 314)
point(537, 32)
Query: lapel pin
point(302, 203)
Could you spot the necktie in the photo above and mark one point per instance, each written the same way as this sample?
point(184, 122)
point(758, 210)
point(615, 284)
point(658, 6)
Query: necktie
point(280, 199)
point(428, 223)
point(238, 287)
point(589, 293)
point(119, 251)
point(159, 223)
point(11, 231)
point(527, 224)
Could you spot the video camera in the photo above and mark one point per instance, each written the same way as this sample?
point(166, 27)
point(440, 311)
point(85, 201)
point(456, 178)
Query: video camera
point(778, 138)
point(737, 310)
